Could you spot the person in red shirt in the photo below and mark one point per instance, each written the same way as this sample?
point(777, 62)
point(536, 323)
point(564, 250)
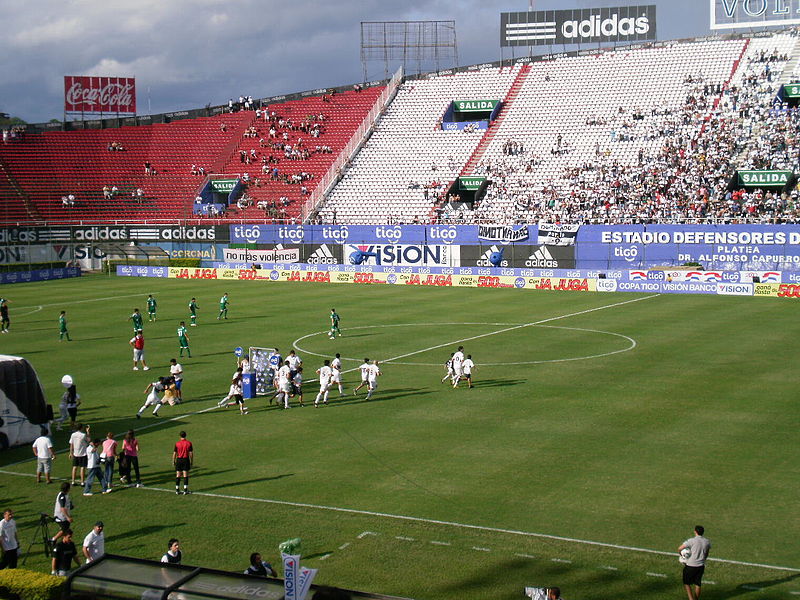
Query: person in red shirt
point(182, 458)
point(137, 343)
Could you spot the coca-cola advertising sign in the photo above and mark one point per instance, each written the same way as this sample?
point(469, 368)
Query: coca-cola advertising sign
point(99, 94)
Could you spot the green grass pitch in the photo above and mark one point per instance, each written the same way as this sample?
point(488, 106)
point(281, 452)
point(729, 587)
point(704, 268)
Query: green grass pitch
point(614, 418)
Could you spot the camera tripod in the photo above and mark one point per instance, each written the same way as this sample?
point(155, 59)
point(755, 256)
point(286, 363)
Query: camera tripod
point(42, 534)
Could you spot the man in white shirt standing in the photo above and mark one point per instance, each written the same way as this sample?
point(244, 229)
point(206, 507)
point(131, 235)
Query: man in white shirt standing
point(336, 377)
point(78, 443)
point(94, 544)
point(176, 370)
point(325, 373)
point(364, 368)
point(284, 377)
point(458, 364)
point(43, 451)
point(372, 378)
point(9, 541)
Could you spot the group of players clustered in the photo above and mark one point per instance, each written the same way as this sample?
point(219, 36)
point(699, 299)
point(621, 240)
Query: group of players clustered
point(286, 375)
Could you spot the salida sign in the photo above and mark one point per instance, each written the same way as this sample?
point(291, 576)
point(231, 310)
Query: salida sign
point(99, 94)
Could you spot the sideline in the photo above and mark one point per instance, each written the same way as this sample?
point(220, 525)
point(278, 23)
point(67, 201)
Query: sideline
point(445, 523)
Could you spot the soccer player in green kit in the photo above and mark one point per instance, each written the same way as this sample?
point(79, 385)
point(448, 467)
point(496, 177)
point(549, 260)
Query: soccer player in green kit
point(62, 327)
point(151, 308)
point(183, 339)
point(223, 307)
point(334, 325)
point(193, 310)
point(138, 322)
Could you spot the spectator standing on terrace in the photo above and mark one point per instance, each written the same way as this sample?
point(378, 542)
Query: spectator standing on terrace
point(695, 563)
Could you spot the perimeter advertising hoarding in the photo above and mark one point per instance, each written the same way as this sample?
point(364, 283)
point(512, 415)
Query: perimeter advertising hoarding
point(715, 247)
point(113, 233)
point(623, 24)
point(735, 14)
point(115, 95)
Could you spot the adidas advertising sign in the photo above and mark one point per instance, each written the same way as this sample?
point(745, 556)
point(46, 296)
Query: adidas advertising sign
point(326, 254)
point(518, 257)
point(619, 24)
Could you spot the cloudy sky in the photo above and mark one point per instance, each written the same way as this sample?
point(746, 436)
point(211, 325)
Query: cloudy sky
point(187, 53)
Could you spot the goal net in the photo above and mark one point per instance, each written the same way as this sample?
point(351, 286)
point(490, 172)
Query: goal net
point(264, 362)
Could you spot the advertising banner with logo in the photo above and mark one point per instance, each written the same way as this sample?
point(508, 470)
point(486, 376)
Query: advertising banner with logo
point(381, 234)
point(621, 24)
point(518, 256)
point(114, 233)
point(715, 247)
point(735, 14)
point(427, 255)
point(115, 95)
point(39, 275)
point(245, 255)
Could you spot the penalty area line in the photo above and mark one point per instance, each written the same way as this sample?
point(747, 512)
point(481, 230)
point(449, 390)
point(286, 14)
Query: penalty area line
point(517, 532)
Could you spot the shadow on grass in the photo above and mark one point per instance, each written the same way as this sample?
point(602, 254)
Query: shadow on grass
point(256, 480)
point(750, 586)
point(488, 383)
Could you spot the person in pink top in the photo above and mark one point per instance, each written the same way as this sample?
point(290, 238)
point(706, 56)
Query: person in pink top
point(130, 447)
point(109, 454)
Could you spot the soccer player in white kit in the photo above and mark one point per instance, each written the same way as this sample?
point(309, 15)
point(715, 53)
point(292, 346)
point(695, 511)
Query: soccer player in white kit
point(325, 373)
point(468, 365)
point(284, 384)
point(152, 399)
point(336, 377)
point(364, 368)
point(448, 365)
point(372, 377)
point(458, 364)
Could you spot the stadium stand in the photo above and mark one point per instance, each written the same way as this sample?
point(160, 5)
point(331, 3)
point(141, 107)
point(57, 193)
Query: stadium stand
point(285, 155)
point(408, 159)
point(645, 134)
point(49, 166)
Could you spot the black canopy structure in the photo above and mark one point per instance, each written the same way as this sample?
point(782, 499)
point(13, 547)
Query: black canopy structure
point(23, 409)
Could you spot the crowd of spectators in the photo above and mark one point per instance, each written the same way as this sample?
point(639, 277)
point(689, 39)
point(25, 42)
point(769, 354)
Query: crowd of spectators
point(681, 173)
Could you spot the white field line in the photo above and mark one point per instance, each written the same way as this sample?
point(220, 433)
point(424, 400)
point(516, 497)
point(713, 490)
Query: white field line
point(370, 513)
point(68, 302)
point(513, 328)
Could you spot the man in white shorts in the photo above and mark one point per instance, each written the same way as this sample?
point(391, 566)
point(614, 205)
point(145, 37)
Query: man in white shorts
point(364, 368)
point(284, 377)
point(458, 364)
point(152, 391)
point(43, 451)
point(336, 377)
point(176, 370)
point(467, 366)
point(372, 378)
point(325, 373)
